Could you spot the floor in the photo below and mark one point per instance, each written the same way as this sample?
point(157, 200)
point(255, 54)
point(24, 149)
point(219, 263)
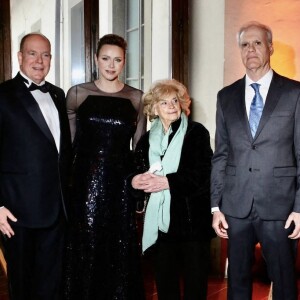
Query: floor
point(3, 286)
point(216, 288)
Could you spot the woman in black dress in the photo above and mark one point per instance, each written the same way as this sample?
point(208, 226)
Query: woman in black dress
point(106, 117)
point(173, 160)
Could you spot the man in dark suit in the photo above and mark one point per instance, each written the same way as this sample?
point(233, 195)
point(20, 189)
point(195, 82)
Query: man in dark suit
point(34, 151)
point(255, 184)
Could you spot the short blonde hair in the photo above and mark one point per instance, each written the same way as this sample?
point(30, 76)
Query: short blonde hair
point(162, 88)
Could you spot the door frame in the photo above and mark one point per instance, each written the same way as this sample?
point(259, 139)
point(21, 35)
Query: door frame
point(5, 41)
point(180, 39)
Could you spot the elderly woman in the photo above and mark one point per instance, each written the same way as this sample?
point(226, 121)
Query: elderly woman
point(173, 162)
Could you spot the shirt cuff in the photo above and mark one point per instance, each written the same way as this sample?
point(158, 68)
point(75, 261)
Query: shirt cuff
point(213, 209)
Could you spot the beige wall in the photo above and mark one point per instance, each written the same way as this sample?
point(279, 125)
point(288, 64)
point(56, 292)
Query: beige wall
point(25, 20)
point(206, 73)
point(206, 59)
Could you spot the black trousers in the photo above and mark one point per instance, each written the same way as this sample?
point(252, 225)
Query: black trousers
point(34, 262)
point(188, 261)
point(277, 249)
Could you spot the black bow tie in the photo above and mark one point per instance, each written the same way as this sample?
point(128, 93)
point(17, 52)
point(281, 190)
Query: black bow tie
point(43, 88)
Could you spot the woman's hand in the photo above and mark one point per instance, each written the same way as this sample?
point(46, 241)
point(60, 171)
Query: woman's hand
point(156, 183)
point(139, 182)
point(150, 183)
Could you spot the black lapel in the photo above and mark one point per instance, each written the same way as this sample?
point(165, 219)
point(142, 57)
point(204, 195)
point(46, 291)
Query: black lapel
point(273, 96)
point(241, 105)
point(58, 103)
point(31, 106)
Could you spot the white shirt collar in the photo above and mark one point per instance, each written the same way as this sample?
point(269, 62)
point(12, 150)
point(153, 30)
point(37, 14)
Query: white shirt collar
point(29, 80)
point(264, 81)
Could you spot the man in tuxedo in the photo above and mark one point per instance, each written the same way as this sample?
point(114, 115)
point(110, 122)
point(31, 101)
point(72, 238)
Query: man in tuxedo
point(34, 159)
point(255, 182)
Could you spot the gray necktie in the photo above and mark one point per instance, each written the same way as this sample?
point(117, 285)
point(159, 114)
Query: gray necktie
point(256, 109)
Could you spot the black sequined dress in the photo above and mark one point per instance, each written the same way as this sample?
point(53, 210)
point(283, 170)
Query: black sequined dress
point(102, 256)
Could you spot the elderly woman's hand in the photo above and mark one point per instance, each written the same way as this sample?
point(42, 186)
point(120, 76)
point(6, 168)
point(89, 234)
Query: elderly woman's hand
point(156, 183)
point(139, 182)
point(150, 183)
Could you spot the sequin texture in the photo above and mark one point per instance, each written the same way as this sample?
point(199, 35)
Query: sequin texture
point(102, 254)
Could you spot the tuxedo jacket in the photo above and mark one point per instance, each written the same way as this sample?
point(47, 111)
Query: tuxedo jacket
point(263, 170)
point(33, 174)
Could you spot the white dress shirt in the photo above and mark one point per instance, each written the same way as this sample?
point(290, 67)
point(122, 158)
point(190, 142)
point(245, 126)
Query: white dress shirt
point(264, 82)
point(48, 110)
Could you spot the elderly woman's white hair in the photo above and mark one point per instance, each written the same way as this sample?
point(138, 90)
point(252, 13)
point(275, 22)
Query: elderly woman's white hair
point(162, 88)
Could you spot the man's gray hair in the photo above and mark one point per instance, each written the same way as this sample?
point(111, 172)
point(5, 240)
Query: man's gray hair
point(263, 27)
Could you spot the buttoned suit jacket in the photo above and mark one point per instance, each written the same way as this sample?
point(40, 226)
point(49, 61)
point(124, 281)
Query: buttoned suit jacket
point(263, 169)
point(33, 174)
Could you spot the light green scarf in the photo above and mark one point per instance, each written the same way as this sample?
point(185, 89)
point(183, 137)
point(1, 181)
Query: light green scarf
point(157, 215)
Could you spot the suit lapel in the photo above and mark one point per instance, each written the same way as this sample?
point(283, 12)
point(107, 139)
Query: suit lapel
point(272, 99)
point(58, 104)
point(32, 107)
point(241, 106)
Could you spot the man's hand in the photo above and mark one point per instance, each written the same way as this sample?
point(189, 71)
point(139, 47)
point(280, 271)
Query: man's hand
point(4, 225)
point(220, 225)
point(293, 217)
